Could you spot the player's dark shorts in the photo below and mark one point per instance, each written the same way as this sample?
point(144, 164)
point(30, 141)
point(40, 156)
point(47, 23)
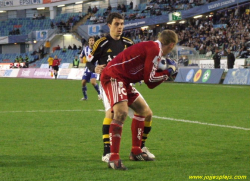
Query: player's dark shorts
point(56, 68)
point(87, 75)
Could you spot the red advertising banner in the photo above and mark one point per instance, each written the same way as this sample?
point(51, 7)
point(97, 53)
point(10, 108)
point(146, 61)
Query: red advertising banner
point(51, 1)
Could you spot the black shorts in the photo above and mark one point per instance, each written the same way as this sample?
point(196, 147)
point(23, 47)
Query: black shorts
point(56, 68)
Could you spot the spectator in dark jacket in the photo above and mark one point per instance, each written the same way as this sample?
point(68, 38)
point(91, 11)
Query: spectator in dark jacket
point(230, 59)
point(217, 58)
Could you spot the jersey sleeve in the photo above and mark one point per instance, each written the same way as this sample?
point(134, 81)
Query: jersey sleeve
point(95, 54)
point(152, 77)
point(82, 53)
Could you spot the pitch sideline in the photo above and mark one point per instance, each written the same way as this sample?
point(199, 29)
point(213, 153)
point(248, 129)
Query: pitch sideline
point(157, 117)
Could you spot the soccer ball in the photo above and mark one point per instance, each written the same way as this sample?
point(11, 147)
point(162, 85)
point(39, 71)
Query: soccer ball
point(162, 65)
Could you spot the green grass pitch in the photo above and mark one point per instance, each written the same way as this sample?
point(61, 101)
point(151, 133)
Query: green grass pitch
point(47, 134)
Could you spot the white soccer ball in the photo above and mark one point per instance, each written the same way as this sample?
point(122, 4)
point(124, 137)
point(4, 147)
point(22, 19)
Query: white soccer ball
point(162, 65)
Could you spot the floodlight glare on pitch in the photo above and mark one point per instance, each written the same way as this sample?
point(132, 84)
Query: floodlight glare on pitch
point(171, 22)
point(198, 16)
point(61, 5)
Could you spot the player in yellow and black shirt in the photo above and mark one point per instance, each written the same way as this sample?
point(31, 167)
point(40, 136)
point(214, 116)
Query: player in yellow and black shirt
point(104, 50)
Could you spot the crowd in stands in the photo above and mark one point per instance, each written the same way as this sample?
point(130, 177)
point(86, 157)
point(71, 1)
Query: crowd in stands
point(68, 24)
point(64, 49)
point(227, 29)
point(15, 31)
point(233, 32)
point(154, 7)
point(38, 17)
point(92, 10)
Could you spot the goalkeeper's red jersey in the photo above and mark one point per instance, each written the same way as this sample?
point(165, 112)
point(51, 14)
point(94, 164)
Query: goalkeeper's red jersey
point(136, 63)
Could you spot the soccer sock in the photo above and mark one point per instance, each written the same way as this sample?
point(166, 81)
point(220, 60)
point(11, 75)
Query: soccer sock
point(97, 89)
point(115, 133)
point(137, 128)
point(147, 129)
point(105, 135)
point(84, 91)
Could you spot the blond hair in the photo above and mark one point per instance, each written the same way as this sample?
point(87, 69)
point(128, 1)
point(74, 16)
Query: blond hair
point(168, 36)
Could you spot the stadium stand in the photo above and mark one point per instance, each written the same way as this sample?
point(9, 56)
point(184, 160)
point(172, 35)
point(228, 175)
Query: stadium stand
point(225, 28)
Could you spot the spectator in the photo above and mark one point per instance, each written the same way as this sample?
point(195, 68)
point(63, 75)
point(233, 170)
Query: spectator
point(16, 59)
point(52, 25)
point(76, 62)
point(41, 51)
point(209, 52)
point(83, 41)
point(94, 10)
point(123, 8)
point(217, 58)
point(131, 5)
point(136, 8)
point(20, 59)
point(230, 59)
point(64, 49)
point(74, 47)
point(69, 47)
point(109, 9)
point(47, 47)
point(119, 7)
point(89, 10)
point(34, 16)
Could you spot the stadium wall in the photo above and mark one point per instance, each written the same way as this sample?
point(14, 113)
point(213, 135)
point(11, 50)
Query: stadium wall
point(190, 75)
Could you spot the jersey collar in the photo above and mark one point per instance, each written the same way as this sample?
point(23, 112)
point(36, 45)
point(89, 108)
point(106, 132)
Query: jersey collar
point(160, 47)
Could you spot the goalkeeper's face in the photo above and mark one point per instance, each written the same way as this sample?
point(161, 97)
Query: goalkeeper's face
point(116, 28)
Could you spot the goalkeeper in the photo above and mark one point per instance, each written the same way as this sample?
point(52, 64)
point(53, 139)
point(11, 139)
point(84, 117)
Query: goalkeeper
point(138, 62)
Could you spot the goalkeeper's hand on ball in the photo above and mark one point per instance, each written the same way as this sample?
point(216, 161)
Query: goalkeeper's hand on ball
point(171, 66)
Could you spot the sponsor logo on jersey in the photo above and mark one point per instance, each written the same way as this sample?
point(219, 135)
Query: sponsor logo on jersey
point(206, 76)
point(197, 76)
point(89, 58)
point(109, 50)
point(189, 75)
point(120, 84)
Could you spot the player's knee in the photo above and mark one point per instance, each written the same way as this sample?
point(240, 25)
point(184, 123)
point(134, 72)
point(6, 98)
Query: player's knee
point(83, 83)
point(148, 114)
point(120, 115)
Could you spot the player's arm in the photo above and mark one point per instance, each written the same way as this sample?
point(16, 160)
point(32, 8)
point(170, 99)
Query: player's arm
point(82, 54)
point(95, 54)
point(153, 77)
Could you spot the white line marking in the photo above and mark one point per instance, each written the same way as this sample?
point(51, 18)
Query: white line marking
point(157, 117)
point(197, 122)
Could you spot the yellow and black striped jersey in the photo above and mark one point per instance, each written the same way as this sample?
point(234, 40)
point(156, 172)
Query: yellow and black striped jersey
point(105, 49)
